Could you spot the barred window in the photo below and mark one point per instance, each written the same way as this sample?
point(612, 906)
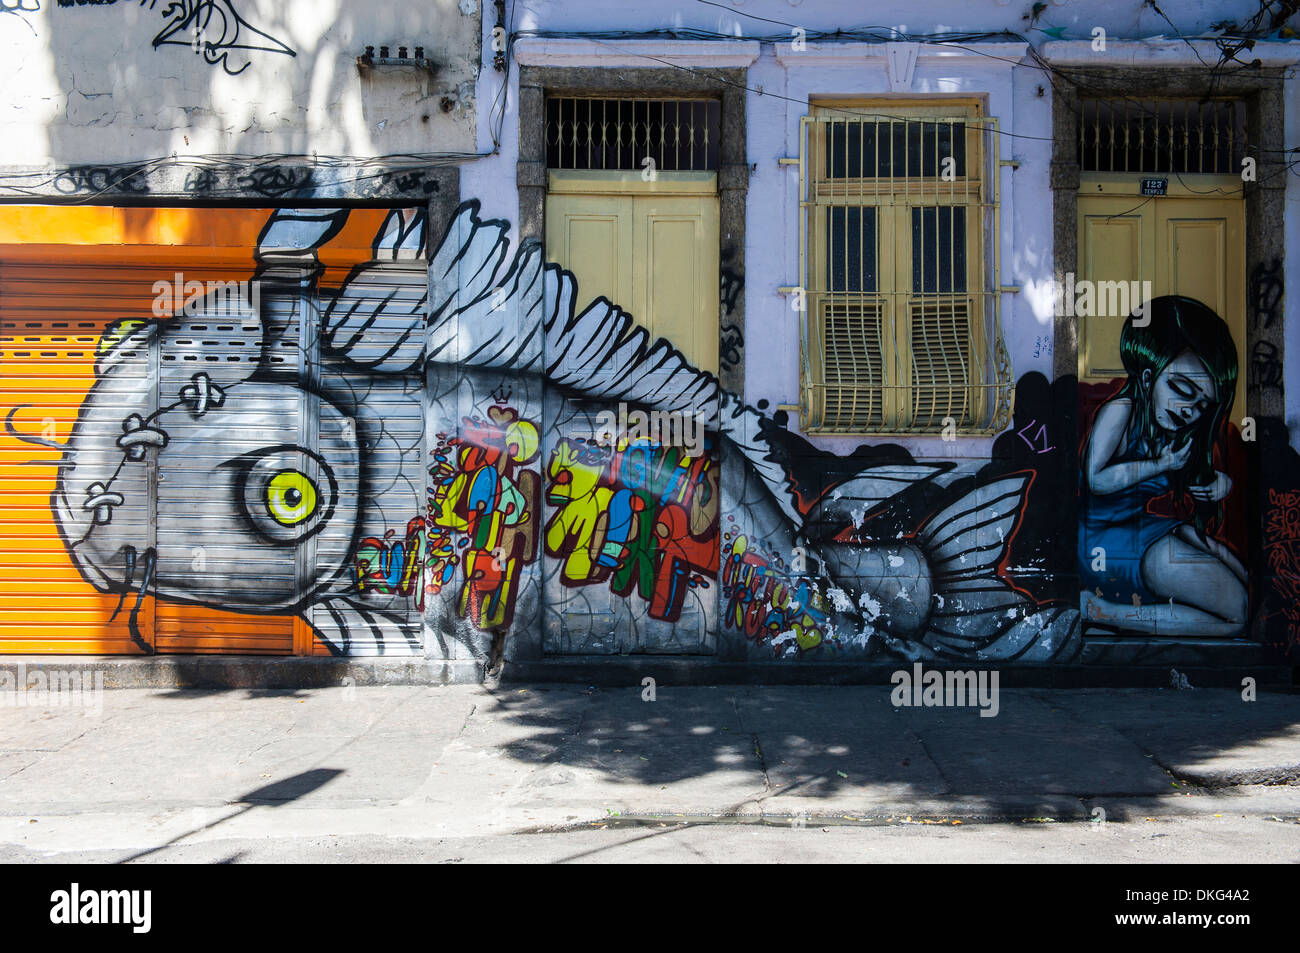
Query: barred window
point(621, 134)
point(1162, 136)
point(901, 332)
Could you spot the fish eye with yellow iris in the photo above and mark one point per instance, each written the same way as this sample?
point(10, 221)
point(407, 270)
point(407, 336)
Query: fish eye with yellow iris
point(291, 497)
point(277, 497)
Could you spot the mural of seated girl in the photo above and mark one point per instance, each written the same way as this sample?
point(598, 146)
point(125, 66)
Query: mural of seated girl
point(1140, 571)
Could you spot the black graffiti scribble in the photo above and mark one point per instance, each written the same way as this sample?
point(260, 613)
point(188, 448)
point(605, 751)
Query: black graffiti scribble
point(730, 345)
point(1278, 565)
point(732, 342)
point(408, 181)
point(1266, 291)
point(732, 284)
point(101, 178)
point(277, 180)
point(215, 29)
point(200, 180)
point(1265, 367)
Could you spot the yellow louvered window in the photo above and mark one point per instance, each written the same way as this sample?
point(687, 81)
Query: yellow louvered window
point(901, 327)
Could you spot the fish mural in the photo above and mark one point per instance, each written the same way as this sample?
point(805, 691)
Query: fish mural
point(427, 499)
point(252, 492)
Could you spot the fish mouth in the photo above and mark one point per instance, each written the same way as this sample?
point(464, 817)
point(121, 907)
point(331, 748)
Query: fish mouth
point(138, 569)
point(107, 572)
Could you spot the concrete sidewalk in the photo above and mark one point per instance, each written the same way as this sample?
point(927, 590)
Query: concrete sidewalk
point(158, 766)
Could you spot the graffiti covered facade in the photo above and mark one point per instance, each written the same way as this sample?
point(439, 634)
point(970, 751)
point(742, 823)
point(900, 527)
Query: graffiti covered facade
point(929, 406)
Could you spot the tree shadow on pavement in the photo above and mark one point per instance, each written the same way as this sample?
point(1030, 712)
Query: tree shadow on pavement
point(801, 749)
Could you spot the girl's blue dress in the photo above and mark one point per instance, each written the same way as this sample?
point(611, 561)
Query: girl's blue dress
point(1120, 524)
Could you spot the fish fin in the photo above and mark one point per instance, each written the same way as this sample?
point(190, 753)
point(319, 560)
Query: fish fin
point(970, 537)
point(401, 237)
point(296, 233)
point(465, 266)
point(976, 616)
point(348, 628)
point(851, 502)
point(376, 320)
point(999, 624)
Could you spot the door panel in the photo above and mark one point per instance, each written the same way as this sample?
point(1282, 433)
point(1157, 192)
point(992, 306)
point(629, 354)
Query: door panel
point(592, 237)
point(1204, 258)
point(675, 273)
point(1112, 247)
point(631, 528)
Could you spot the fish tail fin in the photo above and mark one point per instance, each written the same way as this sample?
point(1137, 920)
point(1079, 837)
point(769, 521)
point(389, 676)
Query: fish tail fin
point(977, 615)
point(969, 538)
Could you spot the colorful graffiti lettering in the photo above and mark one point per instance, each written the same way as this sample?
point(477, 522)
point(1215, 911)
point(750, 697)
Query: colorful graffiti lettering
point(483, 514)
point(639, 514)
point(767, 602)
point(391, 565)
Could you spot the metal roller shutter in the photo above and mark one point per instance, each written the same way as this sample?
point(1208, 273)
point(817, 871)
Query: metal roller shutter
point(219, 480)
point(372, 319)
point(50, 327)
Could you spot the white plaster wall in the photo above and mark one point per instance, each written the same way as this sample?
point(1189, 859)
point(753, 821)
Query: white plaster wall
point(752, 18)
point(491, 179)
point(87, 85)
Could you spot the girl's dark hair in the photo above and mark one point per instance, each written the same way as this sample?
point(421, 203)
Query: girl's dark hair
point(1177, 324)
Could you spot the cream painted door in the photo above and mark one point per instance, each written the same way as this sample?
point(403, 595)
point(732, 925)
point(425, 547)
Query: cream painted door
point(1181, 245)
point(631, 532)
point(649, 247)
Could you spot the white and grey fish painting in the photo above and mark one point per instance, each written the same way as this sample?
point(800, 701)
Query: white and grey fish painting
point(201, 417)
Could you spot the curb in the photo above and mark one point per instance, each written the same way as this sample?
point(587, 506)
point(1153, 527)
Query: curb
point(247, 671)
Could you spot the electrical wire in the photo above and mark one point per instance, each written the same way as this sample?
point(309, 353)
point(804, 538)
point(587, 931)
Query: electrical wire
point(949, 39)
point(243, 165)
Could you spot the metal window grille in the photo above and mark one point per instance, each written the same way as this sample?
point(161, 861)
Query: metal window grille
point(902, 331)
point(1171, 136)
point(679, 135)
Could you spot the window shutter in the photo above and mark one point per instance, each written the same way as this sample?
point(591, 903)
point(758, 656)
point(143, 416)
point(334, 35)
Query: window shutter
point(941, 362)
point(853, 365)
